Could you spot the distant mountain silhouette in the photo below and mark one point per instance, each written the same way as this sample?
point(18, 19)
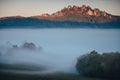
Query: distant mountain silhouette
point(69, 17)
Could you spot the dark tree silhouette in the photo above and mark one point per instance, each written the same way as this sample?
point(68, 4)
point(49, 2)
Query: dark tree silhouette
point(94, 64)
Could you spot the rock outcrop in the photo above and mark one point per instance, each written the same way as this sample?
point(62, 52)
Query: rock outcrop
point(79, 14)
point(68, 17)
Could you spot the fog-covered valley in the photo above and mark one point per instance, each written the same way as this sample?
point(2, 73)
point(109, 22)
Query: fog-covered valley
point(52, 50)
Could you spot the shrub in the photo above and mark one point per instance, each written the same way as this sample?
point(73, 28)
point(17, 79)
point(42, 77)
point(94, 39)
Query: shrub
point(94, 64)
point(29, 45)
point(111, 64)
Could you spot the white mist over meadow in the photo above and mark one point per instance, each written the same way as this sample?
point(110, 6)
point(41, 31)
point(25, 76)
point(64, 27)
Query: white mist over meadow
point(60, 47)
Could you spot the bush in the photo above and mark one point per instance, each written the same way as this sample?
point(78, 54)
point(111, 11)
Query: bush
point(111, 64)
point(94, 64)
point(29, 45)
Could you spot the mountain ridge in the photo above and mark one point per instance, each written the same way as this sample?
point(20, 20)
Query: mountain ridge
point(79, 14)
point(71, 16)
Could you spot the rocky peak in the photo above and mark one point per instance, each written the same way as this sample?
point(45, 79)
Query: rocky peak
point(90, 12)
point(84, 10)
point(80, 14)
point(69, 7)
point(97, 12)
point(84, 7)
point(75, 8)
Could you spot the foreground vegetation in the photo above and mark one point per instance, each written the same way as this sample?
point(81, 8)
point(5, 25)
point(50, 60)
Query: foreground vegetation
point(55, 76)
point(93, 64)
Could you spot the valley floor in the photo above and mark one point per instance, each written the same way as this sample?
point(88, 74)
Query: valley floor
point(56, 76)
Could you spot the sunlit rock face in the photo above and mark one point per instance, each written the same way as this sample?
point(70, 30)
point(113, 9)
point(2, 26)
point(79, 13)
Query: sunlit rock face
point(96, 12)
point(90, 12)
point(70, 16)
point(79, 14)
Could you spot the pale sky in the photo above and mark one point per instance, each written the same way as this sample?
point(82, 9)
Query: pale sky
point(37, 7)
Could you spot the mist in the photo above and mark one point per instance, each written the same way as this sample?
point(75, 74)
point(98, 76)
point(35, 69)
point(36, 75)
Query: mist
point(32, 61)
point(56, 50)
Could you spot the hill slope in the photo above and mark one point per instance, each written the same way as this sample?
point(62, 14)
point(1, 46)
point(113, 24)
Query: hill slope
point(68, 17)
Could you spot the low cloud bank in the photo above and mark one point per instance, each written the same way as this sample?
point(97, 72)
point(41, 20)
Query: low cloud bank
point(30, 59)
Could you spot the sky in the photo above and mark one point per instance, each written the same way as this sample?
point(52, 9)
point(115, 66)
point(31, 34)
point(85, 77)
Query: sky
point(37, 7)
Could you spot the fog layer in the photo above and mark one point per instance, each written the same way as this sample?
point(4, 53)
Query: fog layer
point(57, 49)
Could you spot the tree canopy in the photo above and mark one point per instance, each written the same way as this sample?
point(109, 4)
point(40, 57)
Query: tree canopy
point(94, 64)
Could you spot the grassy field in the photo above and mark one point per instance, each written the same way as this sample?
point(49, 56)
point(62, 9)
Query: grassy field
point(55, 76)
point(7, 75)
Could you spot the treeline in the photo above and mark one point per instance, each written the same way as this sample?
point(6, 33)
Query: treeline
point(29, 22)
point(105, 65)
